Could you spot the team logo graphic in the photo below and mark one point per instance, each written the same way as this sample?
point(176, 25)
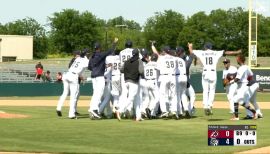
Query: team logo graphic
point(214, 134)
point(214, 142)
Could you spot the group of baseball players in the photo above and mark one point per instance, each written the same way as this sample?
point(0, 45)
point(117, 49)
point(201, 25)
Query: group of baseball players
point(134, 84)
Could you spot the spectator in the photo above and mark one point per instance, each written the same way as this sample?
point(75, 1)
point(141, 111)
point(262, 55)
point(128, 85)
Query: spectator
point(47, 77)
point(59, 77)
point(39, 70)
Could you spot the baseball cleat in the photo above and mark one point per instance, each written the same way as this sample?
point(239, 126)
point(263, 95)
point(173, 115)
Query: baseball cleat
point(164, 115)
point(234, 119)
point(95, 114)
point(77, 113)
point(187, 115)
point(247, 117)
point(260, 116)
point(206, 112)
point(193, 111)
point(175, 116)
point(59, 113)
point(148, 113)
point(140, 119)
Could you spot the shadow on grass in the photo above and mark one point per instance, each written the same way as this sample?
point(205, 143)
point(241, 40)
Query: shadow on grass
point(216, 119)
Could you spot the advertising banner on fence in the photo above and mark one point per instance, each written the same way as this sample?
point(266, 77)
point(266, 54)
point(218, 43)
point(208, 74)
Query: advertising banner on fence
point(262, 76)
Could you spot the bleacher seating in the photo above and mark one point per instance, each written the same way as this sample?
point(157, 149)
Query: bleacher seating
point(25, 71)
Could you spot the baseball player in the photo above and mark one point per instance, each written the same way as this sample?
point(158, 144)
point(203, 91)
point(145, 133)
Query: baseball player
point(209, 58)
point(167, 65)
point(124, 55)
point(229, 73)
point(190, 93)
point(132, 69)
point(112, 82)
point(181, 86)
point(70, 79)
point(144, 95)
point(241, 79)
point(114, 61)
point(251, 95)
point(66, 89)
point(150, 74)
point(97, 66)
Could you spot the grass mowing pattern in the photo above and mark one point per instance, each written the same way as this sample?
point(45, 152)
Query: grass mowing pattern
point(45, 132)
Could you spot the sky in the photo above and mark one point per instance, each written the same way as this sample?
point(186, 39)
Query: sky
point(137, 10)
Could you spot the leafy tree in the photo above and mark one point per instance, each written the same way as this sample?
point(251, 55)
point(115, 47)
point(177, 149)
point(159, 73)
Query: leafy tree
point(72, 30)
point(263, 36)
point(164, 28)
point(30, 26)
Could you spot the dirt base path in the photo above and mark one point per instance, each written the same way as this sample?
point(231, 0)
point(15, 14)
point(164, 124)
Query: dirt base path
point(82, 103)
point(263, 150)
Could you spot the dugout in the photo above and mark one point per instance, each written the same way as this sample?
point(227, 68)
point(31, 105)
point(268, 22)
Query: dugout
point(16, 48)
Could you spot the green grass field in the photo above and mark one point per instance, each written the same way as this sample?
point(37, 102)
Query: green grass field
point(45, 132)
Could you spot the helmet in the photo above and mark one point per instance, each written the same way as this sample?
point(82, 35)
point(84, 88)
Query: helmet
point(128, 44)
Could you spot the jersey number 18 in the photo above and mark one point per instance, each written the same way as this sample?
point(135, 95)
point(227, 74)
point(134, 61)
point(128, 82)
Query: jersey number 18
point(208, 60)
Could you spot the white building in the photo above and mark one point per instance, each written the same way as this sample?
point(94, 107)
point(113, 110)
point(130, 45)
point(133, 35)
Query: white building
point(16, 48)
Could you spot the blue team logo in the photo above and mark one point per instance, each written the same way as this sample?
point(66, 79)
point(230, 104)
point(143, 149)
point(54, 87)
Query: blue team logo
point(214, 142)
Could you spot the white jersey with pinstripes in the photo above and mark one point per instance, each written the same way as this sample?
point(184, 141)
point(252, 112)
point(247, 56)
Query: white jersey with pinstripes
point(150, 70)
point(115, 61)
point(167, 65)
point(125, 55)
point(242, 73)
point(79, 65)
point(209, 58)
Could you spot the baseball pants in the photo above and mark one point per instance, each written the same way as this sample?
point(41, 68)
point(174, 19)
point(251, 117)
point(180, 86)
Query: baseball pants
point(209, 89)
point(230, 91)
point(98, 87)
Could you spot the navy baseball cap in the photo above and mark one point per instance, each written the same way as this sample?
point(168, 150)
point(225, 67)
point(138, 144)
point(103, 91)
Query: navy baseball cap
point(208, 45)
point(166, 49)
point(128, 44)
point(97, 45)
point(135, 52)
point(180, 49)
point(144, 52)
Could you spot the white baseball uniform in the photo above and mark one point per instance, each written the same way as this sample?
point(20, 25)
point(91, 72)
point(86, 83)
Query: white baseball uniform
point(251, 96)
point(115, 78)
point(105, 103)
point(242, 74)
point(230, 88)
point(66, 93)
point(167, 66)
point(209, 59)
point(70, 80)
point(181, 85)
point(124, 55)
point(150, 74)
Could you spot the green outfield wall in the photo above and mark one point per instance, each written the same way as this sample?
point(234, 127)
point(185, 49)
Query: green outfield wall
point(56, 89)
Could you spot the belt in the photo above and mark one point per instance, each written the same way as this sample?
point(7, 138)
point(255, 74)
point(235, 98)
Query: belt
point(150, 79)
point(73, 73)
point(210, 70)
point(176, 74)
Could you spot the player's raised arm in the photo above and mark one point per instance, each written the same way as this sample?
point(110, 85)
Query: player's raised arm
point(233, 52)
point(190, 48)
point(154, 48)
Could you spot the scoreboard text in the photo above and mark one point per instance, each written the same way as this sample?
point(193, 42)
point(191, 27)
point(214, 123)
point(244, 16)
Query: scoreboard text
point(232, 135)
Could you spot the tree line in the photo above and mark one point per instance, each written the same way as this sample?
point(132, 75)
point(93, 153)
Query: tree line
point(73, 30)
